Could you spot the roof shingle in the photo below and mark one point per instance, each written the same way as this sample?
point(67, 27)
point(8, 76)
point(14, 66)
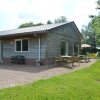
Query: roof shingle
point(41, 28)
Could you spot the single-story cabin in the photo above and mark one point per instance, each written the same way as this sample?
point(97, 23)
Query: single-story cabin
point(40, 42)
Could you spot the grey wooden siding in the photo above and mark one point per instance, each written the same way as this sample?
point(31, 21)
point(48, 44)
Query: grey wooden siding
point(0, 50)
point(33, 52)
point(50, 43)
point(64, 33)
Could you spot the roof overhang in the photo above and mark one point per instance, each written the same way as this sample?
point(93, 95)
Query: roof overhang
point(37, 33)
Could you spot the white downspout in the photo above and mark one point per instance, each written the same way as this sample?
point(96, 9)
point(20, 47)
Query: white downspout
point(39, 48)
point(73, 48)
point(0, 52)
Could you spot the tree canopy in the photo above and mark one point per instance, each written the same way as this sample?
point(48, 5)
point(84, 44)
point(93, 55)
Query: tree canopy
point(98, 4)
point(61, 19)
point(91, 32)
point(29, 24)
point(49, 22)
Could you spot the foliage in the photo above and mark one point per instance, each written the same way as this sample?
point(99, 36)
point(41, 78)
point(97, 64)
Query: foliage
point(92, 55)
point(89, 36)
point(29, 24)
point(86, 32)
point(95, 25)
point(83, 84)
point(98, 4)
point(98, 55)
point(91, 32)
point(49, 22)
point(61, 19)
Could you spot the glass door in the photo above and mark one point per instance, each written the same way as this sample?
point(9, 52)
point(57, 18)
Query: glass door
point(64, 48)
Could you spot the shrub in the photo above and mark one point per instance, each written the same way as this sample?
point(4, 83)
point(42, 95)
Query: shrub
point(98, 55)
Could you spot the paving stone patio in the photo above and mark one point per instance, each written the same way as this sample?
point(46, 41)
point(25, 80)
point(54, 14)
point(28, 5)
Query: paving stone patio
point(12, 75)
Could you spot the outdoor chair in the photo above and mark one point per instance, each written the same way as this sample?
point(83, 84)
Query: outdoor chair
point(58, 60)
point(64, 61)
point(70, 61)
point(76, 60)
point(19, 59)
point(13, 59)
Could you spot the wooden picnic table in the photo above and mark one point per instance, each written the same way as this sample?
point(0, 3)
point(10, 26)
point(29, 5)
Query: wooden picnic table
point(84, 57)
point(69, 60)
point(66, 56)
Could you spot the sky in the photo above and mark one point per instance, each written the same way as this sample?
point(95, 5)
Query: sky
point(15, 12)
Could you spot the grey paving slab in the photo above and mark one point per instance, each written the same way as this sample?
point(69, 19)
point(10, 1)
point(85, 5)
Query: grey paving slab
point(13, 75)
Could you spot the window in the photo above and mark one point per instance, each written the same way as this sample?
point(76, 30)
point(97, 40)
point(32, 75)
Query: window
point(76, 48)
point(18, 45)
point(21, 45)
point(64, 48)
point(25, 45)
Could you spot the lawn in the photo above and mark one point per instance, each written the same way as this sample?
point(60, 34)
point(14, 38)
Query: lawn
point(83, 84)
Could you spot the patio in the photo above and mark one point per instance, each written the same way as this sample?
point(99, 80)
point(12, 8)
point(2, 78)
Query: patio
point(12, 74)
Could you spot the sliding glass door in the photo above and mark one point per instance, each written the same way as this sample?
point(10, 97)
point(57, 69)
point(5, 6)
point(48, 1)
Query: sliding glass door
point(64, 48)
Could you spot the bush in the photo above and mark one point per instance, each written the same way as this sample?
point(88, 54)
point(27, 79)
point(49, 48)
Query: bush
point(98, 55)
point(92, 55)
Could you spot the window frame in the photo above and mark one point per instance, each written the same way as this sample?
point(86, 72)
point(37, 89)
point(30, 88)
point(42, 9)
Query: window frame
point(21, 44)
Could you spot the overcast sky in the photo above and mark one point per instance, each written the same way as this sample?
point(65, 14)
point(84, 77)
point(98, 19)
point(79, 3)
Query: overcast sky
point(15, 12)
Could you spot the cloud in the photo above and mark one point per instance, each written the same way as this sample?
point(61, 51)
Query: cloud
point(15, 12)
point(82, 11)
point(20, 11)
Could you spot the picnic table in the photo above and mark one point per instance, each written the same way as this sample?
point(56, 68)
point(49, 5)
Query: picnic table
point(84, 57)
point(66, 60)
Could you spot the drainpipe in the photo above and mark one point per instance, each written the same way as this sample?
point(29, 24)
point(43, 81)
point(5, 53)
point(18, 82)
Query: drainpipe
point(39, 48)
point(73, 48)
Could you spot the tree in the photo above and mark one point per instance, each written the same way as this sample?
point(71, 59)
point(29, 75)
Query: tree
point(98, 4)
point(49, 22)
point(85, 31)
point(38, 24)
point(61, 19)
point(29, 24)
point(91, 32)
point(95, 26)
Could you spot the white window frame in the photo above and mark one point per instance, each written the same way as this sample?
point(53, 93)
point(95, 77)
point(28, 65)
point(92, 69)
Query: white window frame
point(66, 47)
point(21, 44)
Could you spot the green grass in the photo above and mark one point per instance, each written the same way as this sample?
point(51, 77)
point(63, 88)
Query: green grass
point(83, 84)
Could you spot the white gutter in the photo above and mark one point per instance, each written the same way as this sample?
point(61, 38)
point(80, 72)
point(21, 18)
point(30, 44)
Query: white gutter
point(39, 48)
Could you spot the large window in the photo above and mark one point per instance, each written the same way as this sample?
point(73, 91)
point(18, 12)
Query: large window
point(76, 49)
point(21, 45)
point(64, 48)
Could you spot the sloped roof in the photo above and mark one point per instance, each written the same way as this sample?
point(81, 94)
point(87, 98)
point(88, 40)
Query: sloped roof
point(35, 29)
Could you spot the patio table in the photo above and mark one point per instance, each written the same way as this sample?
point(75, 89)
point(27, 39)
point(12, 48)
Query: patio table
point(84, 57)
point(66, 56)
point(70, 60)
point(67, 60)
